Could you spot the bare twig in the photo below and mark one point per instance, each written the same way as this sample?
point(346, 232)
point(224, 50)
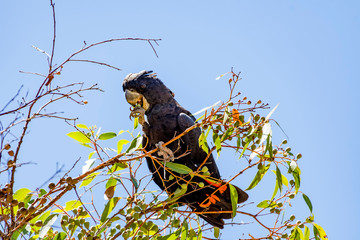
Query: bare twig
point(90, 61)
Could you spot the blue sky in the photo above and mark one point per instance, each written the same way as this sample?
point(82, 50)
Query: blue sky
point(303, 55)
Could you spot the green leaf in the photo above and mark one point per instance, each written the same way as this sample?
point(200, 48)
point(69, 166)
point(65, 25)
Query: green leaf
point(85, 145)
point(321, 231)
point(294, 235)
point(279, 178)
point(118, 167)
point(82, 126)
point(42, 217)
point(135, 144)
point(21, 194)
point(259, 175)
point(70, 205)
point(202, 142)
point(135, 182)
point(217, 143)
point(107, 135)
point(307, 233)
point(216, 232)
point(111, 182)
point(269, 147)
point(316, 233)
point(266, 204)
point(300, 233)
point(296, 175)
point(120, 145)
point(89, 179)
point(179, 192)
point(275, 191)
point(136, 122)
point(42, 192)
point(234, 199)
point(79, 136)
point(91, 154)
point(179, 168)
point(308, 202)
point(108, 208)
point(185, 230)
point(60, 236)
point(245, 147)
point(227, 134)
point(47, 225)
point(17, 233)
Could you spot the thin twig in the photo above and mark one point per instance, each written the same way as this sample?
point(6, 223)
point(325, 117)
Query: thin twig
point(90, 61)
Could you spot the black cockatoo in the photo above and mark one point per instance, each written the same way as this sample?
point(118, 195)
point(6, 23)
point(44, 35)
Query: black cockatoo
point(165, 119)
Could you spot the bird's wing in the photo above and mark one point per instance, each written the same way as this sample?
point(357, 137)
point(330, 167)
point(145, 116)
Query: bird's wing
point(191, 140)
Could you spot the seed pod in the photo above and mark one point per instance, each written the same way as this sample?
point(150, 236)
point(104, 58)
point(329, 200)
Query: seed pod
point(69, 180)
point(21, 205)
point(23, 211)
point(7, 146)
point(39, 223)
point(11, 153)
point(43, 200)
point(68, 187)
point(51, 186)
point(31, 209)
point(14, 202)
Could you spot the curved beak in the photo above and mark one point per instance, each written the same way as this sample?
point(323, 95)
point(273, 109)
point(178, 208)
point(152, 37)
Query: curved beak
point(132, 97)
point(135, 98)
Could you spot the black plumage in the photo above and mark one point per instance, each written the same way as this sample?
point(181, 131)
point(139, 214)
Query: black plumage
point(166, 118)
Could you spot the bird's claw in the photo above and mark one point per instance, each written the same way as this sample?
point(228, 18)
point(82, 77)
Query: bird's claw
point(138, 112)
point(165, 152)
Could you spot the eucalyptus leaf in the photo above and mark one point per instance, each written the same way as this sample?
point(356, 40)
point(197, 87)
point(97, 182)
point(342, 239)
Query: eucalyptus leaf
point(234, 199)
point(308, 202)
point(179, 168)
point(79, 136)
point(107, 135)
point(110, 205)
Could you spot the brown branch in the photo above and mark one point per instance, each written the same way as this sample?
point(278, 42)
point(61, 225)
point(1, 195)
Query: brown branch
point(54, 36)
point(90, 61)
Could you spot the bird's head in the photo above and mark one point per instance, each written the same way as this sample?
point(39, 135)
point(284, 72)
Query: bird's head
point(146, 90)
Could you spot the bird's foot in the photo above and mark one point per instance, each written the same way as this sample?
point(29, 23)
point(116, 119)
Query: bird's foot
point(165, 152)
point(138, 112)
